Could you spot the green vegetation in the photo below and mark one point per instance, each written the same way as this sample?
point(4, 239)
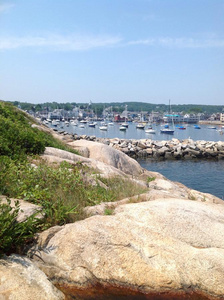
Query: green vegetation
point(18, 138)
point(108, 211)
point(14, 234)
point(149, 179)
point(62, 191)
point(120, 106)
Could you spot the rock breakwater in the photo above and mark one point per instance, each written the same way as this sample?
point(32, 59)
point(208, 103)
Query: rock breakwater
point(172, 149)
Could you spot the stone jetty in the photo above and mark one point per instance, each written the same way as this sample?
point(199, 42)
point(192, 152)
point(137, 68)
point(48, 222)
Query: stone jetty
point(172, 149)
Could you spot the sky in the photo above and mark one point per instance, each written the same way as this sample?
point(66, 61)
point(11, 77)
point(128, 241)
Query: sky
point(112, 51)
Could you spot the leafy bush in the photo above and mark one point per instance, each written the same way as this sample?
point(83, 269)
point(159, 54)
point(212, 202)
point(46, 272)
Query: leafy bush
point(18, 139)
point(13, 235)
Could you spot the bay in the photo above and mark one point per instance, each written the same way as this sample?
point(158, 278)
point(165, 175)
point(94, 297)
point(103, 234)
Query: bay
point(203, 175)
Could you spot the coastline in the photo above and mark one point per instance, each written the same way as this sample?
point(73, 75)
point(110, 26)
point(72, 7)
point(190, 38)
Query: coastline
point(172, 149)
point(210, 122)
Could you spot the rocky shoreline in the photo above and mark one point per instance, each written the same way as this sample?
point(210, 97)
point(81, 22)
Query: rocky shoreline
point(166, 243)
point(172, 149)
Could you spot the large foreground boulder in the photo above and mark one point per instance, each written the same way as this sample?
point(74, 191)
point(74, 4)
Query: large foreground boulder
point(54, 155)
point(20, 279)
point(161, 249)
point(109, 156)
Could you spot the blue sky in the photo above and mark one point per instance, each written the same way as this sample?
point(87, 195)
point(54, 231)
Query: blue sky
point(112, 50)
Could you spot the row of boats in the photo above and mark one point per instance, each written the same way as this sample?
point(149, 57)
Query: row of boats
point(122, 127)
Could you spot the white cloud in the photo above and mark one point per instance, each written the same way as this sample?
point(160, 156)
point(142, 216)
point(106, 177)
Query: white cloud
point(83, 42)
point(58, 42)
point(180, 42)
point(149, 42)
point(191, 43)
point(5, 7)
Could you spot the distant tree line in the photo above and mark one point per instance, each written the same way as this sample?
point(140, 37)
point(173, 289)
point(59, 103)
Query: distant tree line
point(120, 106)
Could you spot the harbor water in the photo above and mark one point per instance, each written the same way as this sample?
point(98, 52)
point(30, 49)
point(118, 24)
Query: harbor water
point(203, 175)
point(205, 133)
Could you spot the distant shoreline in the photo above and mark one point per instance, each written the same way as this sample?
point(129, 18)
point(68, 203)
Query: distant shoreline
point(211, 122)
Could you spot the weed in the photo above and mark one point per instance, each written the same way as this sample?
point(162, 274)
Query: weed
point(109, 211)
point(150, 179)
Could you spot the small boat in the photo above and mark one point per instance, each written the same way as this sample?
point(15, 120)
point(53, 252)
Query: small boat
point(181, 127)
point(103, 123)
point(125, 124)
point(111, 124)
point(197, 127)
point(83, 121)
point(140, 126)
point(92, 125)
point(167, 131)
point(73, 123)
point(150, 130)
point(103, 128)
point(122, 128)
point(81, 126)
point(211, 127)
point(54, 123)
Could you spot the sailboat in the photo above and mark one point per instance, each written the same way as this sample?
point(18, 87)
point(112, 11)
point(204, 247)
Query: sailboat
point(166, 129)
point(125, 124)
point(122, 128)
point(150, 130)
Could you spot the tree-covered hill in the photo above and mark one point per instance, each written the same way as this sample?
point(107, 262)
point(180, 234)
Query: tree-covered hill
point(120, 106)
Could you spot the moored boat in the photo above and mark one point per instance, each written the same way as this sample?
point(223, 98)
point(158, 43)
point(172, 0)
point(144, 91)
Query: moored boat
point(92, 125)
point(140, 126)
point(167, 131)
point(125, 124)
point(103, 128)
point(150, 130)
point(197, 127)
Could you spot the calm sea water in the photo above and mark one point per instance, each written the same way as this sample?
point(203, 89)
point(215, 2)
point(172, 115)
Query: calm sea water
point(203, 175)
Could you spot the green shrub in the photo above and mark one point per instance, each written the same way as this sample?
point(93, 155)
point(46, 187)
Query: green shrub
point(108, 211)
point(13, 235)
point(150, 179)
point(18, 139)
